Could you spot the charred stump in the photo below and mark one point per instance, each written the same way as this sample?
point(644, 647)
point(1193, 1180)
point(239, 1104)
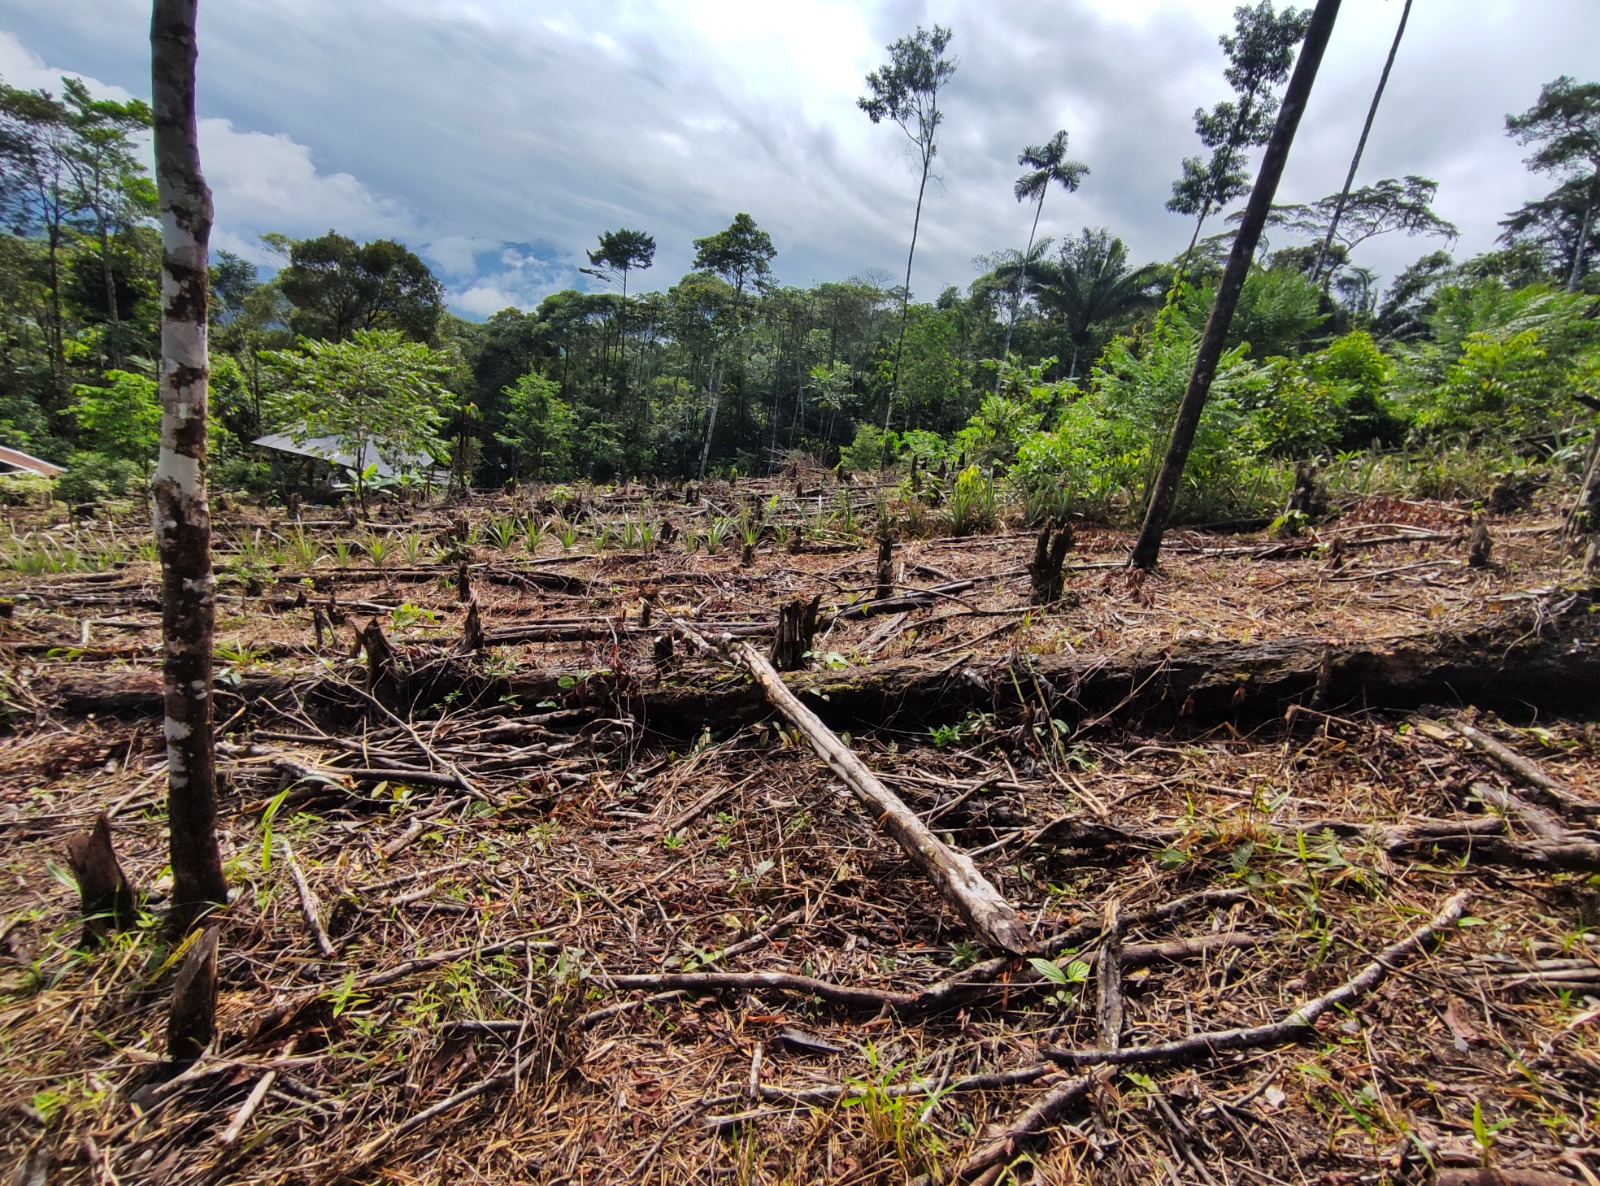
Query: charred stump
point(797, 626)
point(885, 572)
point(472, 639)
point(108, 900)
point(381, 665)
point(192, 1018)
point(1049, 555)
point(1481, 548)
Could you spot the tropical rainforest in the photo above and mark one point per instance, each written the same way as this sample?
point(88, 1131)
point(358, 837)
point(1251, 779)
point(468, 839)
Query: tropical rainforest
point(1056, 371)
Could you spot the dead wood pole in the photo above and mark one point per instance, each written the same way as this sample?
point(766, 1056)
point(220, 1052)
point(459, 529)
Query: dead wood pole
point(1361, 146)
point(108, 899)
point(797, 626)
point(472, 636)
point(1164, 490)
point(380, 657)
point(1296, 1025)
point(1109, 1006)
point(1049, 555)
point(192, 1018)
point(1481, 550)
point(182, 514)
point(967, 891)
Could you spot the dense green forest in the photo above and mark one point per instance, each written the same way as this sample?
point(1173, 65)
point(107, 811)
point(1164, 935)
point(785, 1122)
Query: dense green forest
point(1051, 379)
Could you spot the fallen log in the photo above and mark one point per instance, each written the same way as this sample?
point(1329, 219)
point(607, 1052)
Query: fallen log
point(957, 878)
point(1531, 655)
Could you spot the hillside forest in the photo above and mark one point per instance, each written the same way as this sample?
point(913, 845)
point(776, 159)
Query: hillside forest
point(1056, 371)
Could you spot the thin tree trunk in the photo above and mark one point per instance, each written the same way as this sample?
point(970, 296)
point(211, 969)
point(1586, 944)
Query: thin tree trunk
point(1361, 147)
point(711, 421)
point(1164, 490)
point(182, 515)
point(1016, 297)
point(905, 308)
point(1583, 235)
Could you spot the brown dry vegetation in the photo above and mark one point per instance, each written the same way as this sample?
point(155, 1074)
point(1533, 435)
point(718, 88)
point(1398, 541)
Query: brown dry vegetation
point(531, 826)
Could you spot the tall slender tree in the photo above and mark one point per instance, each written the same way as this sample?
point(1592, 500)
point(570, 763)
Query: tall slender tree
point(742, 255)
point(1047, 164)
point(1361, 147)
point(182, 514)
point(1260, 51)
point(905, 91)
point(1565, 125)
point(1164, 490)
point(110, 190)
point(621, 251)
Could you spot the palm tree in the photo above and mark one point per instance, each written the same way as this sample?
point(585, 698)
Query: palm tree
point(1049, 163)
point(1089, 284)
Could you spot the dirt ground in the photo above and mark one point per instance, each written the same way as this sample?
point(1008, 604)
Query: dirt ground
point(518, 855)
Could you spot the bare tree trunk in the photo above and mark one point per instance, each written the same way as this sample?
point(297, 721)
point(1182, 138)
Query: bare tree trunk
point(182, 514)
point(1022, 280)
point(1164, 490)
point(905, 308)
point(1361, 147)
point(1583, 235)
point(717, 368)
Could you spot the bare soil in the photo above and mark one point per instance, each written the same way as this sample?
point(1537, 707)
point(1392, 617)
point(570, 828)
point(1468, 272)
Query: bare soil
point(517, 856)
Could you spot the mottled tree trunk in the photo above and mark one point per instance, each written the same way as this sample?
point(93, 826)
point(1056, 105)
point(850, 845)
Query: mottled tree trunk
point(1164, 490)
point(182, 515)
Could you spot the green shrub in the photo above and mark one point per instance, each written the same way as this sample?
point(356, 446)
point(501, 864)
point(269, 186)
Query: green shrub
point(94, 476)
point(974, 502)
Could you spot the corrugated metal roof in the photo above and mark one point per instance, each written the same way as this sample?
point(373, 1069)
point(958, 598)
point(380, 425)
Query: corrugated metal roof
point(338, 451)
point(16, 459)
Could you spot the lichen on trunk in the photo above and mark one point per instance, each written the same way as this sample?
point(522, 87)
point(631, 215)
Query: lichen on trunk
point(181, 512)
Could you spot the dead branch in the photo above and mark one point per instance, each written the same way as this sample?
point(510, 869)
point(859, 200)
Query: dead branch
point(967, 891)
point(309, 906)
point(1530, 773)
point(1277, 1033)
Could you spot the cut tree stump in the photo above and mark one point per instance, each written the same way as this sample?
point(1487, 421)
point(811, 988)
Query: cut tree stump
point(885, 571)
point(108, 899)
point(967, 891)
point(797, 626)
point(472, 635)
point(192, 1019)
point(1049, 554)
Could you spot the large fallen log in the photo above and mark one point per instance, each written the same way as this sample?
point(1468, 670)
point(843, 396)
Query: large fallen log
point(1532, 656)
point(954, 874)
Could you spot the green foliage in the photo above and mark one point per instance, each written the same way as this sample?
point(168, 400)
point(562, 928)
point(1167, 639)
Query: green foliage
point(539, 429)
point(377, 391)
point(123, 417)
point(94, 476)
point(1501, 361)
point(974, 502)
point(340, 288)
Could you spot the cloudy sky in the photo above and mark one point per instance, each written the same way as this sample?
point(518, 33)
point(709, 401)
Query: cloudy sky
point(498, 138)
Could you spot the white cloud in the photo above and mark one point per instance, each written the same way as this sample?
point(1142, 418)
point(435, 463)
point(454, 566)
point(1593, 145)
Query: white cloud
point(269, 182)
point(469, 128)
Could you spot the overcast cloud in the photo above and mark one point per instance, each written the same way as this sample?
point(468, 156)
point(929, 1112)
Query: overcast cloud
point(498, 138)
